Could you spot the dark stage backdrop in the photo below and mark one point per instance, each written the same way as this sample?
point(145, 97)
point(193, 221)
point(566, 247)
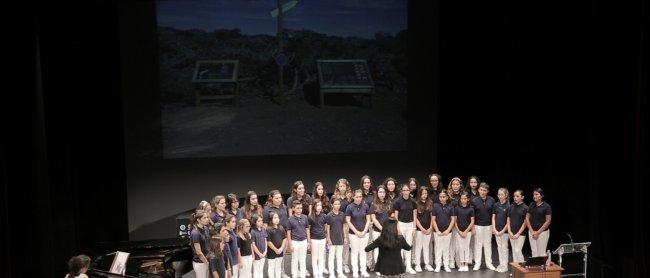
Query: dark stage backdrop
point(533, 93)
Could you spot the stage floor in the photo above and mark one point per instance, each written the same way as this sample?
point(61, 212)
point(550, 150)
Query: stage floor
point(482, 273)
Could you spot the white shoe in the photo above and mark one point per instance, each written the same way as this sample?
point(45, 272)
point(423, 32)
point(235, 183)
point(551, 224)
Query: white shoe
point(365, 274)
point(342, 275)
point(284, 275)
point(437, 269)
point(452, 265)
point(428, 268)
point(346, 269)
point(418, 268)
point(325, 271)
point(355, 275)
point(477, 267)
point(377, 273)
point(410, 270)
point(447, 269)
point(491, 267)
point(332, 276)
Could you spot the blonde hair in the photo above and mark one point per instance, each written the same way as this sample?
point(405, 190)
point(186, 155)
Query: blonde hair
point(505, 192)
point(348, 190)
point(240, 229)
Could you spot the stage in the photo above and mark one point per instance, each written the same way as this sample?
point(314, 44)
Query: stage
point(482, 273)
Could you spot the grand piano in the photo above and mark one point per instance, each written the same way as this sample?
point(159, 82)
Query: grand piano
point(150, 258)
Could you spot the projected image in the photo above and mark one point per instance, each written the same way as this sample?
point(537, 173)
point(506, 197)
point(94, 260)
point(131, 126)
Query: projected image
point(275, 77)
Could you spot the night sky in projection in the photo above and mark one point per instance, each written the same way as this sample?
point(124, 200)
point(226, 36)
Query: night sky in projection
point(354, 18)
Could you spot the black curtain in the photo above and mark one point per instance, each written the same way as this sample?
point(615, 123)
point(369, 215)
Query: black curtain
point(61, 143)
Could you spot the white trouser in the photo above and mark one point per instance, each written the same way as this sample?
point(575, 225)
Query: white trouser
point(357, 253)
point(235, 269)
point(299, 259)
point(472, 244)
point(463, 248)
point(517, 245)
point(258, 267)
point(317, 257)
point(538, 246)
point(453, 250)
point(375, 253)
point(482, 243)
point(502, 247)
point(422, 246)
point(201, 269)
point(335, 250)
point(247, 267)
point(431, 247)
point(275, 267)
point(407, 231)
point(443, 244)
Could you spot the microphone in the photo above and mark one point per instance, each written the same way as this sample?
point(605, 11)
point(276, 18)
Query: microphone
point(570, 238)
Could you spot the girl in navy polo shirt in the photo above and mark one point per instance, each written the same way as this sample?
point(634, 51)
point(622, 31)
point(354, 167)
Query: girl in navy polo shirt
point(335, 223)
point(219, 211)
point(358, 219)
point(299, 238)
point(260, 248)
point(343, 191)
point(406, 212)
point(538, 220)
point(413, 186)
point(454, 189)
point(317, 229)
point(499, 227)
point(233, 206)
point(216, 258)
point(464, 224)
point(368, 196)
point(380, 210)
point(443, 222)
point(517, 225)
point(234, 257)
point(277, 241)
point(199, 240)
point(472, 187)
point(424, 228)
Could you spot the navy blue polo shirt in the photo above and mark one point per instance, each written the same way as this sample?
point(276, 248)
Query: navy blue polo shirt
point(234, 247)
point(368, 198)
point(216, 218)
point(200, 236)
point(443, 214)
point(464, 217)
point(275, 236)
point(317, 226)
point(483, 210)
point(538, 214)
point(433, 195)
point(357, 215)
point(336, 222)
point(500, 212)
point(280, 211)
point(405, 209)
point(380, 215)
point(424, 217)
point(217, 265)
point(298, 226)
point(517, 215)
point(259, 238)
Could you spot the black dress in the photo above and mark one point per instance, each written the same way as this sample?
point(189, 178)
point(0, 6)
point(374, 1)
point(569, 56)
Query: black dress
point(389, 261)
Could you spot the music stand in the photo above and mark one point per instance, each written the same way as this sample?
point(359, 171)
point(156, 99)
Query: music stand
point(570, 248)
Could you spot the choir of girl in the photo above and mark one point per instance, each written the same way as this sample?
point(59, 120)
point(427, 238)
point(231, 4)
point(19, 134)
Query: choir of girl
point(361, 230)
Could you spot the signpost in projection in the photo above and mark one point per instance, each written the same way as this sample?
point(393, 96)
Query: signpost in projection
point(278, 12)
point(345, 77)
